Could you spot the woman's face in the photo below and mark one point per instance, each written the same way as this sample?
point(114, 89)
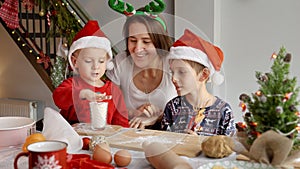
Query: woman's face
point(140, 45)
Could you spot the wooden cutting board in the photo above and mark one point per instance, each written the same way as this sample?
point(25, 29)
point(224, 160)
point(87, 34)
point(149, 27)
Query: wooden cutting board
point(181, 144)
point(84, 129)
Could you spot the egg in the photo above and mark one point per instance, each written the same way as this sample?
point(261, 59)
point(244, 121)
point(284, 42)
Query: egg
point(102, 153)
point(122, 158)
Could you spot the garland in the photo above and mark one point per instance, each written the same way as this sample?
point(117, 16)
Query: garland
point(61, 21)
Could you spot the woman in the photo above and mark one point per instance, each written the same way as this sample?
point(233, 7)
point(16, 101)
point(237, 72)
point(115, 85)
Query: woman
point(142, 72)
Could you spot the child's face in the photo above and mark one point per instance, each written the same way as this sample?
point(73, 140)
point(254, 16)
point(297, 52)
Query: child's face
point(140, 45)
point(90, 63)
point(184, 77)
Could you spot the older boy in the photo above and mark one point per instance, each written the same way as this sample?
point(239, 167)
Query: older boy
point(193, 62)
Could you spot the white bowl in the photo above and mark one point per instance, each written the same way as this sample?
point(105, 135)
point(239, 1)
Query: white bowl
point(14, 130)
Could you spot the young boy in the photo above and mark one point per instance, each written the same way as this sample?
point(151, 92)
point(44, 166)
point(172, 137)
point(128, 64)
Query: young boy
point(194, 61)
point(88, 56)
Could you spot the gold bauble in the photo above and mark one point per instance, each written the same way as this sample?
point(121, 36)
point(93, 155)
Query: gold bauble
point(65, 45)
point(42, 13)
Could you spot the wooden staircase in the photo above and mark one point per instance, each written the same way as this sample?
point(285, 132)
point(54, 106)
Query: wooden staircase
point(37, 39)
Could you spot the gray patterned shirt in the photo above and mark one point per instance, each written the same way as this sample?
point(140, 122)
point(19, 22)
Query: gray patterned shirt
point(180, 115)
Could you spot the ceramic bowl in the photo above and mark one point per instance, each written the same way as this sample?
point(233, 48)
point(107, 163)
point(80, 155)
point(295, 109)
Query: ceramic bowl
point(14, 130)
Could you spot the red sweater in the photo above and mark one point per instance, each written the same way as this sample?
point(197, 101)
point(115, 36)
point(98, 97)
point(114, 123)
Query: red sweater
point(74, 109)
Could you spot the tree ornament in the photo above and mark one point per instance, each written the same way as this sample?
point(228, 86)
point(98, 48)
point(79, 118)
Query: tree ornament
point(253, 124)
point(287, 96)
point(298, 128)
point(243, 106)
point(279, 109)
point(287, 58)
point(292, 108)
point(264, 78)
point(244, 97)
point(263, 98)
point(258, 93)
point(68, 31)
point(65, 45)
point(248, 117)
point(48, 18)
point(273, 56)
point(241, 126)
point(42, 13)
point(53, 12)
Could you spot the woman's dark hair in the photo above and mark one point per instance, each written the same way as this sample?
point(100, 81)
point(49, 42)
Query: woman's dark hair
point(159, 37)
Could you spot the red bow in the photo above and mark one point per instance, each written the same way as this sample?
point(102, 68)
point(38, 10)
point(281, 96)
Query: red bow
point(44, 59)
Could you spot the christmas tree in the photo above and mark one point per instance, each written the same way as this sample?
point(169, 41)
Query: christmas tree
point(273, 106)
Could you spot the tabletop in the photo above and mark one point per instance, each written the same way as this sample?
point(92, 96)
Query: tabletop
point(7, 154)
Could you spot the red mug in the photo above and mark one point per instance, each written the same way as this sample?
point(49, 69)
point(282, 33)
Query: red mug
point(45, 154)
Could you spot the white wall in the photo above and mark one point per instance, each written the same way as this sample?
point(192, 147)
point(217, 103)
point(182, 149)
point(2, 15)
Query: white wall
point(248, 31)
point(18, 78)
point(112, 22)
point(196, 15)
point(251, 30)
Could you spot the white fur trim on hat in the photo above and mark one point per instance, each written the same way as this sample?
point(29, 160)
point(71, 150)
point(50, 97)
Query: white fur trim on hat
point(89, 42)
point(217, 78)
point(193, 54)
point(196, 55)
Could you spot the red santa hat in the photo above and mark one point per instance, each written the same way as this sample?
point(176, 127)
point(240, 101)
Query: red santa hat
point(91, 36)
point(192, 47)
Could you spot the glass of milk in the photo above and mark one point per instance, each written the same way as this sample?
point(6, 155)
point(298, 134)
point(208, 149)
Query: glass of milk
point(98, 115)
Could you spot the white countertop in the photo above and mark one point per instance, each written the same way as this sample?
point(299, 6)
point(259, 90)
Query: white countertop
point(7, 155)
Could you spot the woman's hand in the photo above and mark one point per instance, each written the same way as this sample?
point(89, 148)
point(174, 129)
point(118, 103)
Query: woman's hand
point(146, 115)
point(87, 94)
point(142, 121)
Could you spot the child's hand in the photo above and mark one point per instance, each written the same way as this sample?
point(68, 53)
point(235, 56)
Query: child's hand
point(188, 131)
point(93, 96)
point(149, 110)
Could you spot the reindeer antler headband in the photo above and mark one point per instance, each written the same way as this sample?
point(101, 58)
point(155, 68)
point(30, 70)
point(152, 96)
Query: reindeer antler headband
point(152, 10)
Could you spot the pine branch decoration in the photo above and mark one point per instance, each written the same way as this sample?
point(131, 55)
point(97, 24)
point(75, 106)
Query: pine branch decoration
point(58, 71)
point(61, 22)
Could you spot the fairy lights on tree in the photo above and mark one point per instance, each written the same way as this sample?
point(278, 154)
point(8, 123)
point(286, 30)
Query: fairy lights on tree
point(273, 105)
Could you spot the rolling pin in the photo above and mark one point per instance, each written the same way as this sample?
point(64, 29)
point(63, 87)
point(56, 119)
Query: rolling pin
point(161, 157)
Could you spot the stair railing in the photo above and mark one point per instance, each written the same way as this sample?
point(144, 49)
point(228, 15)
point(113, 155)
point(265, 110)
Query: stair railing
point(32, 35)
